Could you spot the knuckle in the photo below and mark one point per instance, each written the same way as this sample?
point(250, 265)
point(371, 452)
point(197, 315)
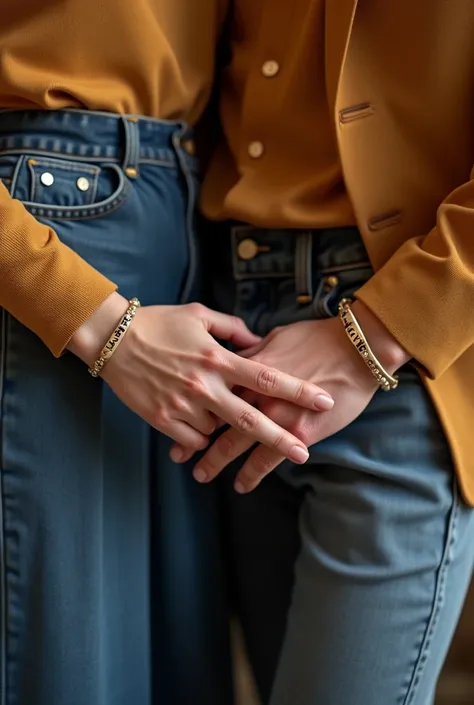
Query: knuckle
point(262, 464)
point(299, 391)
point(196, 385)
point(237, 322)
point(207, 465)
point(178, 403)
point(215, 358)
point(225, 445)
point(279, 442)
point(162, 418)
point(247, 421)
point(267, 379)
point(196, 309)
point(252, 475)
point(303, 430)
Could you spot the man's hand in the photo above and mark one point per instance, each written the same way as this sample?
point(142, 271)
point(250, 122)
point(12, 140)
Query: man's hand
point(313, 350)
point(170, 370)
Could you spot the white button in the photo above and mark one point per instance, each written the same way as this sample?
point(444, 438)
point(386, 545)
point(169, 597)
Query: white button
point(256, 149)
point(82, 183)
point(270, 68)
point(47, 179)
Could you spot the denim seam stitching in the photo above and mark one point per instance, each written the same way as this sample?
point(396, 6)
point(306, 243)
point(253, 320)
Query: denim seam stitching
point(20, 151)
point(15, 174)
point(45, 212)
point(32, 197)
point(437, 601)
point(3, 568)
point(66, 165)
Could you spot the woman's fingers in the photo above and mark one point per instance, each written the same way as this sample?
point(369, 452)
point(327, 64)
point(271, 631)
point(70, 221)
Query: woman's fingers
point(273, 383)
point(256, 427)
point(184, 435)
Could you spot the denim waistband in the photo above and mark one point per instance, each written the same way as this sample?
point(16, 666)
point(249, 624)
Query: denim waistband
point(261, 253)
point(87, 135)
point(296, 274)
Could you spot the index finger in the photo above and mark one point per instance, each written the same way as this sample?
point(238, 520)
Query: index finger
point(273, 383)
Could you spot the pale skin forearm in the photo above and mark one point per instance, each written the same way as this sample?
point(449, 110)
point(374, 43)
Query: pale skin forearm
point(88, 340)
point(170, 370)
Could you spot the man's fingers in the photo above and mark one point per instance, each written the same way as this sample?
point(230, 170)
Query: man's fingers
point(255, 427)
point(181, 454)
point(261, 462)
point(273, 383)
point(229, 446)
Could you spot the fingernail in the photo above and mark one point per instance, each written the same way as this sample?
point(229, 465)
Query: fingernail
point(240, 488)
point(177, 455)
point(199, 475)
point(323, 402)
point(298, 455)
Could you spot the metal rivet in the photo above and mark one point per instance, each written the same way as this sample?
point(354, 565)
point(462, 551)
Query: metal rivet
point(189, 146)
point(47, 179)
point(82, 183)
point(332, 281)
point(131, 172)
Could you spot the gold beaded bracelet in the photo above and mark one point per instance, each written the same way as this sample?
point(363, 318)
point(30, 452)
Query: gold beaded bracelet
point(359, 341)
point(115, 339)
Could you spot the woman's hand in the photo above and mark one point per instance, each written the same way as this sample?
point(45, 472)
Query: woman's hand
point(318, 351)
point(170, 370)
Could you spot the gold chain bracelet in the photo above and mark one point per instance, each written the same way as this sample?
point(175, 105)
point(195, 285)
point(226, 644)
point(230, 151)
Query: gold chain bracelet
point(115, 339)
point(359, 341)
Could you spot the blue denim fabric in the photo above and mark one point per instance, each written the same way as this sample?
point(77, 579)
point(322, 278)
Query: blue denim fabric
point(349, 572)
point(109, 556)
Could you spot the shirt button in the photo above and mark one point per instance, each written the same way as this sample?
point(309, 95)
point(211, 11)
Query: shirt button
point(47, 179)
point(270, 69)
point(255, 149)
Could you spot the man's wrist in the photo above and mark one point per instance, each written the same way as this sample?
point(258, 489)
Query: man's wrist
point(90, 338)
point(385, 347)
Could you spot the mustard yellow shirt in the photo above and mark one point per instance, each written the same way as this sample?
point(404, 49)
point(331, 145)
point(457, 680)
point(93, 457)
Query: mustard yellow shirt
point(148, 57)
point(279, 165)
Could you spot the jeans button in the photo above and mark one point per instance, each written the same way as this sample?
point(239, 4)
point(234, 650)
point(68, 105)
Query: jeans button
point(47, 179)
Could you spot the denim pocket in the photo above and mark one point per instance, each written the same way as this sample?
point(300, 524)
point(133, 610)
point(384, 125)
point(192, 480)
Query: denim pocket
point(63, 189)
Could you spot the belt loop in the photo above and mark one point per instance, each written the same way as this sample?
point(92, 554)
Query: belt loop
point(132, 146)
point(303, 268)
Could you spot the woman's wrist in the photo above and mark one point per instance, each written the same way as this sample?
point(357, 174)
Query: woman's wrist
point(89, 339)
point(386, 348)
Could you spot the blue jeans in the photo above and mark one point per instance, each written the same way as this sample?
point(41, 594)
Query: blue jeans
point(348, 573)
point(110, 564)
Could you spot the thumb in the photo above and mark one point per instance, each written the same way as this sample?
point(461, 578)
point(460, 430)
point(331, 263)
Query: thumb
point(232, 328)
